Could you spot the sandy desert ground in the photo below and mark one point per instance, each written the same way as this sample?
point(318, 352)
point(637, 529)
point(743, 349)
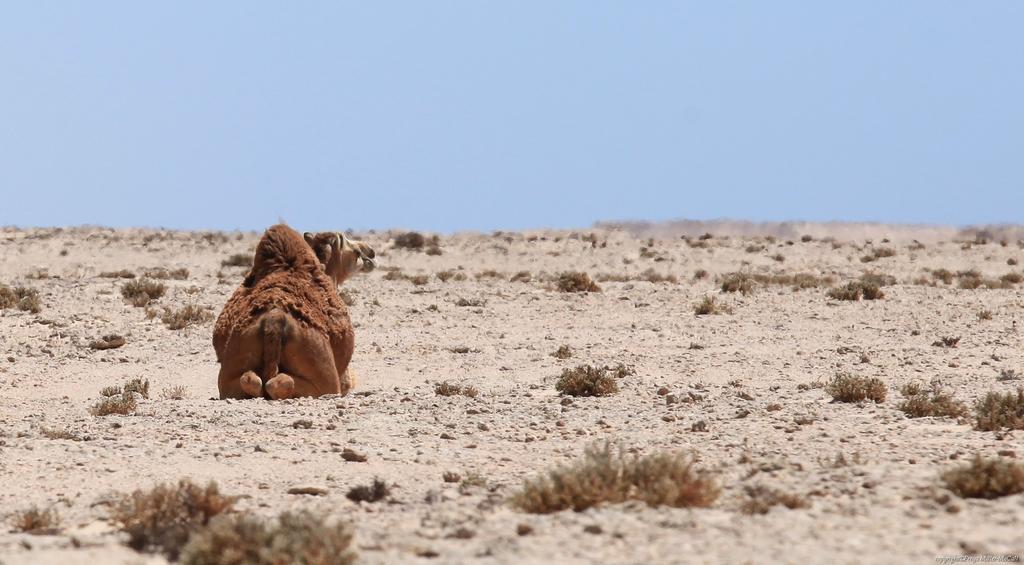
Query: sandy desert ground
point(750, 379)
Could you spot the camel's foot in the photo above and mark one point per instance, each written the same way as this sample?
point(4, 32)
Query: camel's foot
point(280, 387)
point(251, 385)
point(348, 381)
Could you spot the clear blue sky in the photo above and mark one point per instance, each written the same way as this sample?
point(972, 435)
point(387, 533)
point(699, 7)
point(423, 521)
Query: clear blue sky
point(480, 115)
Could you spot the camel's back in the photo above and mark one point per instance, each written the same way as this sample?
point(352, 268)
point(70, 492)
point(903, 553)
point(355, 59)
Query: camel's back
point(285, 275)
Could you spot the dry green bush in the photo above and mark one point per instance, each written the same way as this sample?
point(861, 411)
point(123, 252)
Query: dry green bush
point(607, 476)
point(709, 305)
point(374, 492)
point(521, 276)
point(50, 433)
point(185, 316)
point(997, 411)
point(238, 260)
point(122, 274)
point(122, 404)
point(419, 280)
point(652, 276)
point(410, 240)
point(563, 352)
point(878, 253)
point(856, 290)
point(738, 282)
point(177, 392)
point(395, 275)
point(845, 387)
point(586, 380)
point(471, 302)
point(877, 279)
point(946, 342)
point(162, 274)
point(142, 291)
point(944, 275)
point(760, 499)
point(489, 274)
point(20, 297)
point(35, 520)
point(301, 537)
point(162, 519)
point(446, 388)
point(700, 274)
point(933, 403)
point(138, 385)
point(576, 282)
point(985, 478)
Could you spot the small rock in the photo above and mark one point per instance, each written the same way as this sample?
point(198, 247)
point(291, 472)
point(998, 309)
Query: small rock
point(593, 529)
point(662, 391)
point(524, 529)
point(699, 426)
point(304, 424)
point(111, 341)
point(447, 435)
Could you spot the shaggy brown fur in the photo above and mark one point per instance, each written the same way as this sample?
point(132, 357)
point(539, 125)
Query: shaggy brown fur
point(284, 332)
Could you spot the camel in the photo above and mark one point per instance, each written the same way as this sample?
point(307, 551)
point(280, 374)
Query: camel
point(285, 332)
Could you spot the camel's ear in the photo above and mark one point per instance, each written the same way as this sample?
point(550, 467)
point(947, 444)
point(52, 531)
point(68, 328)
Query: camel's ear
point(342, 240)
point(250, 278)
point(309, 238)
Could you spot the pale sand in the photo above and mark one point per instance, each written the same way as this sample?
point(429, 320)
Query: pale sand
point(880, 508)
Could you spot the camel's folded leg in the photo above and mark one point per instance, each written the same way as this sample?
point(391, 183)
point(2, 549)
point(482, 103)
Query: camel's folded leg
point(251, 384)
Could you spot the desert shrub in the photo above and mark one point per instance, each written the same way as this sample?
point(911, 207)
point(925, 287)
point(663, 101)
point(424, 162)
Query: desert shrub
point(301, 537)
point(576, 282)
point(607, 476)
point(375, 492)
point(50, 433)
point(586, 380)
point(162, 519)
point(521, 276)
point(410, 240)
point(877, 279)
point(946, 342)
point(738, 282)
point(35, 520)
point(997, 411)
point(700, 274)
point(806, 238)
point(138, 385)
point(470, 302)
point(652, 276)
point(985, 315)
point(944, 275)
point(122, 274)
point(933, 403)
point(433, 249)
point(419, 280)
point(185, 316)
point(142, 291)
point(237, 260)
point(162, 273)
point(20, 297)
point(985, 478)
point(176, 392)
point(122, 404)
point(710, 305)
point(489, 274)
point(845, 387)
point(856, 290)
point(563, 352)
point(446, 388)
point(801, 281)
point(878, 253)
point(760, 499)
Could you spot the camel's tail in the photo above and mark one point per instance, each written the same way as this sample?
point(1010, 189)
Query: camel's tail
point(273, 325)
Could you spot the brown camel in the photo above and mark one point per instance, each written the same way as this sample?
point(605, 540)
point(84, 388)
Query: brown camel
point(285, 333)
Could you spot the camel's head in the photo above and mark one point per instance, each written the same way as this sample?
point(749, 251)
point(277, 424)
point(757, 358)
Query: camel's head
point(341, 257)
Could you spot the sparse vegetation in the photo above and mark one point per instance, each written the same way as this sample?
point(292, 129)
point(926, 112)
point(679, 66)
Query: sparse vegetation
point(410, 240)
point(998, 411)
point(586, 380)
point(375, 492)
point(474, 302)
point(162, 519)
point(760, 499)
point(878, 253)
point(563, 352)
point(576, 282)
point(162, 273)
point(946, 342)
point(445, 388)
point(521, 276)
point(122, 274)
point(985, 478)
point(607, 476)
point(300, 537)
point(177, 392)
point(143, 291)
point(710, 305)
point(934, 403)
point(122, 404)
point(35, 520)
point(139, 386)
point(238, 260)
point(738, 282)
point(188, 315)
point(857, 290)
point(21, 298)
point(845, 387)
